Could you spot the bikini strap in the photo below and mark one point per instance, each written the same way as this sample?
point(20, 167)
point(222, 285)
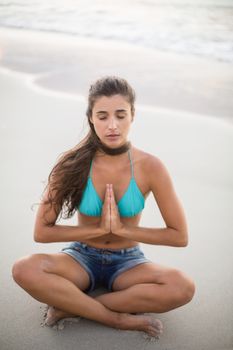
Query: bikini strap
point(131, 163)
point(90, 172)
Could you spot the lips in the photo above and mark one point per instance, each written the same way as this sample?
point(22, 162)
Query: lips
point(112, 137)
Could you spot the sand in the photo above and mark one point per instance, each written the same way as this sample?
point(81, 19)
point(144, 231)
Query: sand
point(36, 126)
point(165, 79)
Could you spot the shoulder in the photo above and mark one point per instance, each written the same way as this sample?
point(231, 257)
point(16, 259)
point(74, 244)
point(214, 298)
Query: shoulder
point(153, 167)
point(156, 166)
point(148, 161)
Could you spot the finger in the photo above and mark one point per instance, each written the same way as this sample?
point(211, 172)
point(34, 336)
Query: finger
point(108, 196)
point(106, 193)
point(111, 191)
point(114, 207)
point(105, 215)
point(112, 198)
point(106, 203)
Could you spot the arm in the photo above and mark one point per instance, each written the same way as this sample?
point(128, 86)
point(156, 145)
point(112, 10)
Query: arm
point(47, 233)
point(176, 232)
point(158, 236)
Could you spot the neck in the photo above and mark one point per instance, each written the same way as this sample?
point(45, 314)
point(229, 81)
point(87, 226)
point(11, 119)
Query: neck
point(114, 151)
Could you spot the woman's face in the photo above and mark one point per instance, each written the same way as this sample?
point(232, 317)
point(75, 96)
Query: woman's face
point(112, 117)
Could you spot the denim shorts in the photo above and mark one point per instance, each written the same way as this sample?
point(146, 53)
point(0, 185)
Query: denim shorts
point(104, 265)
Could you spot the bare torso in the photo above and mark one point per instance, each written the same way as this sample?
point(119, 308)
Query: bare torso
point(118, 174)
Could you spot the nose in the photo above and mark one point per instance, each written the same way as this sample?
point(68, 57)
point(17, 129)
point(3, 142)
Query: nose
point(112, 123)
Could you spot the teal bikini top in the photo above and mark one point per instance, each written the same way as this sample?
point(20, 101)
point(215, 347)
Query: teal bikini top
point(131, 204)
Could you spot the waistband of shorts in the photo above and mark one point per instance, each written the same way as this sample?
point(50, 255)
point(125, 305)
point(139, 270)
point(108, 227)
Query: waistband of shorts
point(108, 250)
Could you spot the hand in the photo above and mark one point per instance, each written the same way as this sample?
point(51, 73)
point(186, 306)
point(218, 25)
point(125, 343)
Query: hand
point(115, 222)
point(105, 222)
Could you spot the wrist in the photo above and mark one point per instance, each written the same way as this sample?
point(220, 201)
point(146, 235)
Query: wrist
point(120, 230)
point(101, 230)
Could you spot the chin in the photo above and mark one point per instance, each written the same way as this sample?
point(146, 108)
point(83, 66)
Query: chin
point(113, 143)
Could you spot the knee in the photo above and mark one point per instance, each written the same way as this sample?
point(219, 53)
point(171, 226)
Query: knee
point(184, 287)
point(25, 270)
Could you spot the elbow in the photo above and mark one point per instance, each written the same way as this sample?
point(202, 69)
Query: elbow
point(179, 238)
point(39, 236)
point(183, 239)
point(183, 243)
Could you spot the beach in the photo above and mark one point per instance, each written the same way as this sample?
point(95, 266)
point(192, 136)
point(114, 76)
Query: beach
point(67, 64)
point(43, 114)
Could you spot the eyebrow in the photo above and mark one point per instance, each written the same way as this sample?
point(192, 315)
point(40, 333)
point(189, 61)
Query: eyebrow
point(118, 110)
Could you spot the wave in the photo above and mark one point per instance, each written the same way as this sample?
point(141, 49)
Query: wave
point(204, 28)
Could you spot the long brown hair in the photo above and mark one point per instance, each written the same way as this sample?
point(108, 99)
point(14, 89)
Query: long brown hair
point(67, 179)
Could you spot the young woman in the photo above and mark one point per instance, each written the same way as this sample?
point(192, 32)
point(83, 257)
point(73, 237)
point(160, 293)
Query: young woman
point(106, 180)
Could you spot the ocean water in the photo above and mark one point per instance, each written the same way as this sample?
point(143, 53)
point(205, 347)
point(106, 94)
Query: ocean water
point(196, 27)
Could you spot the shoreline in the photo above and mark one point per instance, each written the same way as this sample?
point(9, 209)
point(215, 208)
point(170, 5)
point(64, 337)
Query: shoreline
point(67, 38)
point(172, 86)
point(30, 81)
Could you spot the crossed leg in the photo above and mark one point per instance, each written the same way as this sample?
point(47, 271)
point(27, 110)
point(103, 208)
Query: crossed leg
point(145, 288)
point(58, 280)
point(149, 287)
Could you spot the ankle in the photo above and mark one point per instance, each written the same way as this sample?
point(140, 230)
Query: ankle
point(120, 321)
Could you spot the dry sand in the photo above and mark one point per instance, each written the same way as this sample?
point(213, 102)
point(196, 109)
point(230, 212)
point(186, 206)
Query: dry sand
point(35, 128)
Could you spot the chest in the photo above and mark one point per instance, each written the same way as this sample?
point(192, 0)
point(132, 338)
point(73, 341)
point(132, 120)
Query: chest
point(120, 178)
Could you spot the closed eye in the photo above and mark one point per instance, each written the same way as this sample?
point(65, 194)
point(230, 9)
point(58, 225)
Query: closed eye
point(119, 117)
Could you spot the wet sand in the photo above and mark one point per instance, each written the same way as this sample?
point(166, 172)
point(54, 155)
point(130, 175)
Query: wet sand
point(163, 79)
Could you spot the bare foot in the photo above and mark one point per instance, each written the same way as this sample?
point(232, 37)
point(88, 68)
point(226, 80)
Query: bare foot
point(153, 327)
point(148, 324)
point(54, 315)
